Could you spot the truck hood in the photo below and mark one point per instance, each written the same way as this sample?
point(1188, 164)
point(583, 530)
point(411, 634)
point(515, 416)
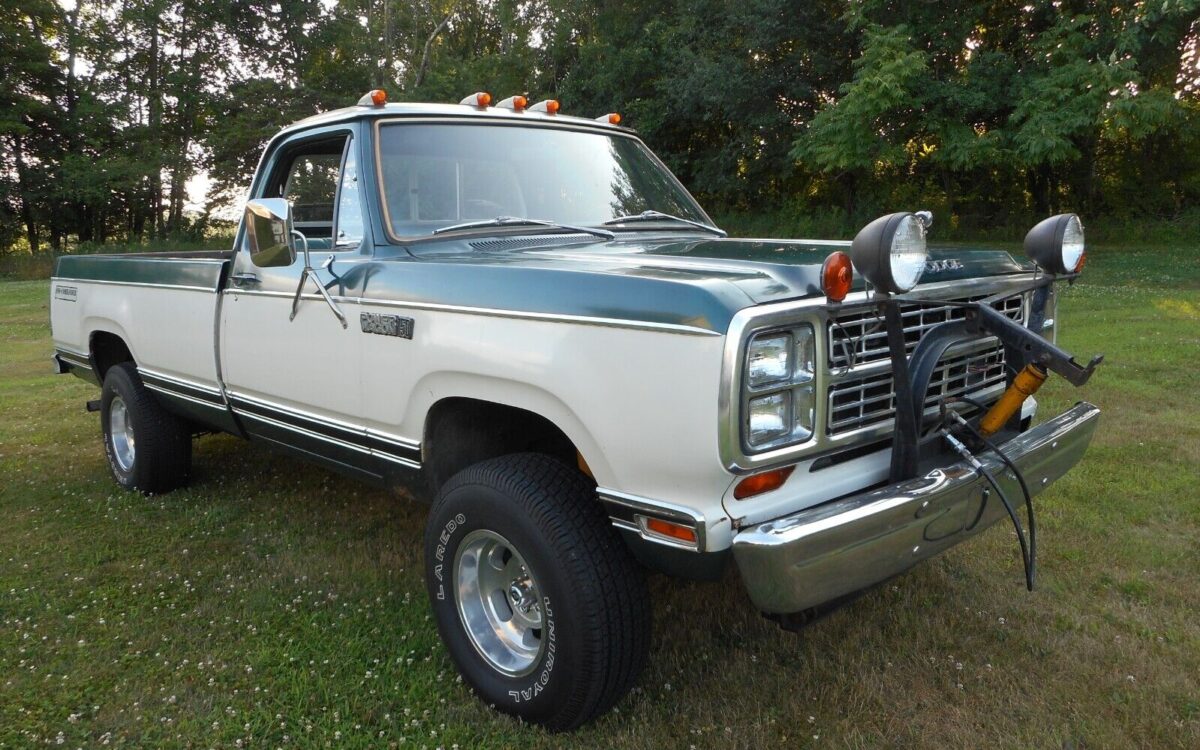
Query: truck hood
point(766, 270)
point(695, 285)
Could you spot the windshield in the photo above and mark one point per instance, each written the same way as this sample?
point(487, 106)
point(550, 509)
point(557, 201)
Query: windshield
point(435, 176)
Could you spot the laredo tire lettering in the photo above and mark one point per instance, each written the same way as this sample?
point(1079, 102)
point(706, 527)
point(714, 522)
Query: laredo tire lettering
point(440, 552)
point(595, 627)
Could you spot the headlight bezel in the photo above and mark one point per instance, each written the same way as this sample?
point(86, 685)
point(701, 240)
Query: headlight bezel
point(798, 385)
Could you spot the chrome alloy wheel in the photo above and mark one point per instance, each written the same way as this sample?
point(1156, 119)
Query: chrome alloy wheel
point(498, 602)
point(120, 430)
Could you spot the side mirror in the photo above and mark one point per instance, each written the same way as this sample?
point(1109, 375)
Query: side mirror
point(269, 231)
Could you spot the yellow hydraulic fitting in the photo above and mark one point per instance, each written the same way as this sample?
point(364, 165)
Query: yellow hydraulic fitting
point(1023, 386)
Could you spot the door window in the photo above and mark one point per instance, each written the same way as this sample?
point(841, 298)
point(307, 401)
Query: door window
point(349, 231)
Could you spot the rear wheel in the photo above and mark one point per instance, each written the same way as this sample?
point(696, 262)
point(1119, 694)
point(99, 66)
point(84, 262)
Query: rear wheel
point(539, 604)
point(148, 448)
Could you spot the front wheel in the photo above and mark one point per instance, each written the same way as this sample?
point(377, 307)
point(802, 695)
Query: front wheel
point(539, 604)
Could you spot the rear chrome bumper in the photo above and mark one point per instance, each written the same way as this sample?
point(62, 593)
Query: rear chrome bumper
point(821, 553)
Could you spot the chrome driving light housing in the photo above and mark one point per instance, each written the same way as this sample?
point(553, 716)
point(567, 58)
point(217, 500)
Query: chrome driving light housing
point(1056, 244)
point(778, 398)
point(890, 252)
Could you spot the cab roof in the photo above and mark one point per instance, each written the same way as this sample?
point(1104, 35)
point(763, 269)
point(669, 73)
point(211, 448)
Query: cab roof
point(420, 109)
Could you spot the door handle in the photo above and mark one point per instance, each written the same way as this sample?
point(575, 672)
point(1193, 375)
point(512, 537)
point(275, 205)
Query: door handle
point(244, 279)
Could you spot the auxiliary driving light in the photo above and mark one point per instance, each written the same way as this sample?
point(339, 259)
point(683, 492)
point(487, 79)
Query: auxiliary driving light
point(890, 252)
point(1056, 244)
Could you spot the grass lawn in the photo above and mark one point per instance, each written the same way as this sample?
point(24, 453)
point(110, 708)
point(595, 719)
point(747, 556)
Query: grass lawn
point(273, 604)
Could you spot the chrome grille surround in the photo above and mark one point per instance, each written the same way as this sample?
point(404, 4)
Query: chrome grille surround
point(752, 320)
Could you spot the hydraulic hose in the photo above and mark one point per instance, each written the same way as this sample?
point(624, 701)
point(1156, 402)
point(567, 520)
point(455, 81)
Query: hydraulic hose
point(1031, 572)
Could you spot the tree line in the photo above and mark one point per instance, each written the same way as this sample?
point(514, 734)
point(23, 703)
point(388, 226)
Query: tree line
point(985, 111)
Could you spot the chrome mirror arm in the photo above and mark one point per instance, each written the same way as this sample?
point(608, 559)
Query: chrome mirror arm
point(310, 271)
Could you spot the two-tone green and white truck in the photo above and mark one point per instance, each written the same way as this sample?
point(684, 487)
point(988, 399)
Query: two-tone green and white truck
point(528, 314)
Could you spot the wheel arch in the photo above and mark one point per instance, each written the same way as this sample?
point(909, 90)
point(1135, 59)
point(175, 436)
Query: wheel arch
point(468, 418)
point(107, 346)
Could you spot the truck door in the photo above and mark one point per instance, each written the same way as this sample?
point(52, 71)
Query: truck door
point(296, 382)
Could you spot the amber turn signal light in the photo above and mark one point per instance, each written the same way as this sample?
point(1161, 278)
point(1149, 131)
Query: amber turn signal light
point(670, 529)
point(837, 274)
point(757, 484)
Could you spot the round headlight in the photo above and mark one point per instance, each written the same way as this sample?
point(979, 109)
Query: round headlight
point(890, 252)
point(1056, 244)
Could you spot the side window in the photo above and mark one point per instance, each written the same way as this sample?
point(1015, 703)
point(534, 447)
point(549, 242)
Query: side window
point(311, 186)
point(349, 230)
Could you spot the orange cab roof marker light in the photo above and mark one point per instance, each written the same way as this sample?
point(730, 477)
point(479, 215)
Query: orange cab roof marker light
point(479, 99)
point(612, 118)
point(515, 103)
point(549, 106)
point(373, 98)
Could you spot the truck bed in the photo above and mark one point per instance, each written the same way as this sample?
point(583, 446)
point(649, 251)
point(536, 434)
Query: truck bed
point(160, 305)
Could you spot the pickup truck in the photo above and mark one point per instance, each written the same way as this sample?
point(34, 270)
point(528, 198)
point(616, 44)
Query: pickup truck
point(525, 316)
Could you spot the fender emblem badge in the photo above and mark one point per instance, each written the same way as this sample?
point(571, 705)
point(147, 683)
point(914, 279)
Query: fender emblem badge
point(386, 325)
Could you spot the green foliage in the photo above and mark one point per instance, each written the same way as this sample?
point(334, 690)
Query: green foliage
point(987, 113)
point(865, 129)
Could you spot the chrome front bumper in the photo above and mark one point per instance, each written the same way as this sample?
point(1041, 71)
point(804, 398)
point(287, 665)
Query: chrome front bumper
point(821, 553)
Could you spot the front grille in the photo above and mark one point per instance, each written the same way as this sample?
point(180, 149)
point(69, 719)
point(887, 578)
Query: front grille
point(860, 338)
point(871, 400)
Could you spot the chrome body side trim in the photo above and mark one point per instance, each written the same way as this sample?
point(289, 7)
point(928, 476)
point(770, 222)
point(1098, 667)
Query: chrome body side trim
point(74, 359)
point(176, 380)
point(308, 433)
point(817, 312)
point(399, 441)
point(392, 448)
point(492, 312)
point(824, 552)
point(624, 511)
point(183, 397)
point(146, 284)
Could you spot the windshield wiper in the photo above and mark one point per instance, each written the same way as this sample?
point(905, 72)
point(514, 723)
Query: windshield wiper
point(514, 221)
point(652, 215)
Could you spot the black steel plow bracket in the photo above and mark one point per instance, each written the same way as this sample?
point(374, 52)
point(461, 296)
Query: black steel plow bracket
point(911, 375)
